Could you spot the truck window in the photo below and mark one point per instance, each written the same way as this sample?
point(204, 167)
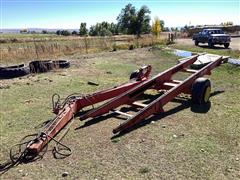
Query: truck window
point(221, 32)
point(217, 32)
point(210, 32)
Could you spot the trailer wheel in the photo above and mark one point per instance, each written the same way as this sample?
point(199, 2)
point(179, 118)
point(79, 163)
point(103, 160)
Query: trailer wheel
point(134, 74)
point(201, 90)
point(196, 43)
point(226, 45)
point(14, 71)
point(210, 44)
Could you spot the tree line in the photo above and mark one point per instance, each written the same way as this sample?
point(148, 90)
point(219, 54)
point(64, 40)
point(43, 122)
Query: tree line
point(129, 21)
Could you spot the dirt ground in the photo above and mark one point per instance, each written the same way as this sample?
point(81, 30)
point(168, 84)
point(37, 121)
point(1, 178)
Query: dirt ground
point(185, 142)
point(235, 43)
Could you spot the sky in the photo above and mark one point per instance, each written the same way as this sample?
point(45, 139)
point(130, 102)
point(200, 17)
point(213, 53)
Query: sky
point(70, 13)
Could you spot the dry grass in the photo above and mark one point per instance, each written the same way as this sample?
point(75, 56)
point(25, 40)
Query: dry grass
point(55, 47)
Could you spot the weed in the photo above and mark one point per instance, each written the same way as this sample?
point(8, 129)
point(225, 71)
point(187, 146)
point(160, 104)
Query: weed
point(144, 170)
point(115, 140)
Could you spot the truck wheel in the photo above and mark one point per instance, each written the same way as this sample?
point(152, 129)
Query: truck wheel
point(210, 44)
point(196, 43)
point(201, 90)
point(226, 45)
point(14, 71)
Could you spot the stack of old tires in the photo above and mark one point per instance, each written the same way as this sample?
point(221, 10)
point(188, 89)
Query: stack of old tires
point(33, 67)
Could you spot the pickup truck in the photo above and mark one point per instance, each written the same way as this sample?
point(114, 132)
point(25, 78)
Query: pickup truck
point(212, 37)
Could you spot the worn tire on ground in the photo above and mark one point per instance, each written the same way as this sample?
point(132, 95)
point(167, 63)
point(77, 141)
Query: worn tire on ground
point(201, 90)
point(61, 64)
point(40, 66)
point(14, 71)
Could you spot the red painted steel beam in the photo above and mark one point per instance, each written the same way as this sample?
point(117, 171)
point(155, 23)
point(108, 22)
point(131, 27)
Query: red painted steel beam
point(155, 82)
point(157, 105)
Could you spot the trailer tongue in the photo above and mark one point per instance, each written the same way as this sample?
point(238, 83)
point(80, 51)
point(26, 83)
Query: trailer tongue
point(74, 103)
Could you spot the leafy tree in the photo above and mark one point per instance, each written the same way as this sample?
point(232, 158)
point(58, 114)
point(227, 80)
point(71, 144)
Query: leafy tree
point(63, 32)
point(44, 32)
point(126, 19)
point(93, 31)
point(131, 21)
point(174, 29)
point(156, 26)
point(228, 23)
point(166, 29)
point(114, 29)
point(83, 29)
point(185, 28)
point(23, 31)
point(105, 32)
point(103, 29)
point(58, 32)
point(142, 21)
point(74, 33)
point(162, 23)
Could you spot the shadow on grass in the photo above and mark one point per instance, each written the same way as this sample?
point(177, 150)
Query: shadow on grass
point(97, 120)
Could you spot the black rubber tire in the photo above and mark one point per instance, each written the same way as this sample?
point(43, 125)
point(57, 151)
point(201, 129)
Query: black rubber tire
point(210, 44)
point(14, 71)
point(61, 64)
point(196, 43)
point(226, 45)
point(199, 90)
point(40, 66)
point(134, 74)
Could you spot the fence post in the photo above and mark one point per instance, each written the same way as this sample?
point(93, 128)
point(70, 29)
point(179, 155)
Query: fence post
point(86, 44)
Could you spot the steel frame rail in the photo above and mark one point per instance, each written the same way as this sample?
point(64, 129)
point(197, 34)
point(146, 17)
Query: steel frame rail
point(161, 81)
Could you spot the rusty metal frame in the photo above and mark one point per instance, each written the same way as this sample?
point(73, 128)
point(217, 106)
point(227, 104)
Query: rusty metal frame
point(124, 94)
point(161, 81)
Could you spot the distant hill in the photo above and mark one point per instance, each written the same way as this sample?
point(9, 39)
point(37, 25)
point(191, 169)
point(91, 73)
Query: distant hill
point(37, 30)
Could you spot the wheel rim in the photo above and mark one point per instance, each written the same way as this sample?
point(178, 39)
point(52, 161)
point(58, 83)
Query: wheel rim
point(207, 94)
